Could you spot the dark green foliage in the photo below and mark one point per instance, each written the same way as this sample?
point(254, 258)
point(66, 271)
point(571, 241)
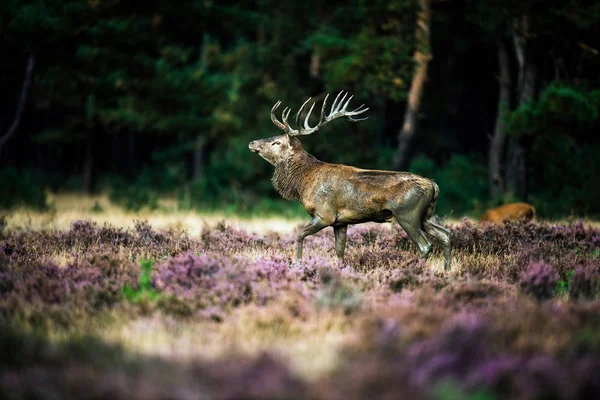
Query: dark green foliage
point(462, 182)
point(22, 188)
point(560, 109)
point(144, 290)
point(133, 195)
point(169, 100)
point(563, 286)
point(449, 391)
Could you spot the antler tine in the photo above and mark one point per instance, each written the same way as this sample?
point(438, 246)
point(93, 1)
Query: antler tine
point(306, 126)
point(339, 105)
point(346, 104)
point(285, 115)
point(335, 101)
point(274, 118)
point(300, 111)
point(322, 117)
point(356, 119)
point(357, 111)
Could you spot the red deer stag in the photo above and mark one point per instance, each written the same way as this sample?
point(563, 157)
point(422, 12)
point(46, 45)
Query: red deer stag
point(339, 195)
point(510, 212)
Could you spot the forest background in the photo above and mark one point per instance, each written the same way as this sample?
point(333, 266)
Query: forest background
point(496, 101)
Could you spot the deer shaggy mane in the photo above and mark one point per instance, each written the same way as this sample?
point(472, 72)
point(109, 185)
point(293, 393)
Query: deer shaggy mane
point(290, 175)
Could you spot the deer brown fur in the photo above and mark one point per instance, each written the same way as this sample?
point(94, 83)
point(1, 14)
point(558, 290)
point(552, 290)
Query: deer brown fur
point(509, 212)
point(339, 195)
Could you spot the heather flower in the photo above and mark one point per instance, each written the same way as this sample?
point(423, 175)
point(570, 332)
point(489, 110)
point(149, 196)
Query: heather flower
point(458, 349)
point(539, 280)
point(208, 279)
point(520, 377)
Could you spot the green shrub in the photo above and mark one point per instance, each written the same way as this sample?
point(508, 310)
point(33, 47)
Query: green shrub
point(132, 196)
point(144, 290)
point(22, 188)
point(562, 287)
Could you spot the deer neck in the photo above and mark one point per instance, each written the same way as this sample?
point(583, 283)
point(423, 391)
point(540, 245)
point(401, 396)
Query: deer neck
point(291, 175)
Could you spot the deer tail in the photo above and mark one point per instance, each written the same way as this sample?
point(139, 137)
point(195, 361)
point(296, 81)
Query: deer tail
point(434, 197)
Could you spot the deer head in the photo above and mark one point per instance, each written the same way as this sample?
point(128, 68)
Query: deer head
point(282, 147)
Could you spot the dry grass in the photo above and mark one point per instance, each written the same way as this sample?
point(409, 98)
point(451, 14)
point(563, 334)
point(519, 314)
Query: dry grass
point(310, 347)
point(66, 208)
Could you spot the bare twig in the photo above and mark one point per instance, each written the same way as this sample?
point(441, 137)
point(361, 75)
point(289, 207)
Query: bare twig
point(21, 103)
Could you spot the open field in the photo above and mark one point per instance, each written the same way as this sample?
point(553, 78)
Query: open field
point(180, 305)
point(66, 208)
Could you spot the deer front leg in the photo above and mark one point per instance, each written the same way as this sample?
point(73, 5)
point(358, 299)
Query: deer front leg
point(340, 240)
point(314, 226)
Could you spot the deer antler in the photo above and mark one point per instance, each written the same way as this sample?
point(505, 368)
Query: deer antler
point(338, 109)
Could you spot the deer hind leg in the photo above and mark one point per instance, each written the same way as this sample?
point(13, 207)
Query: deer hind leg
point(410, 220)
point(314, 226)
point(443, 236)
point(437, 231)
point(340, 240)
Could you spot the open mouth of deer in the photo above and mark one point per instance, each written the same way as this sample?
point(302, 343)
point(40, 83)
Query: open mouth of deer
point(252, 147)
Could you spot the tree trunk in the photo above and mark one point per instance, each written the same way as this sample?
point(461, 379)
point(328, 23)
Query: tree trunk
point(496, 182)
point(20, 104)
point(516, 171)
point(422, 57)
point(315, 63)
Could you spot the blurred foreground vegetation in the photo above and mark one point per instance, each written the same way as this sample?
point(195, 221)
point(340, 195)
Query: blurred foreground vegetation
point(157, 99)
point(96, 311)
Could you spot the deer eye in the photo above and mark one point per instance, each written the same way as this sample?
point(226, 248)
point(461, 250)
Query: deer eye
point(276, 143)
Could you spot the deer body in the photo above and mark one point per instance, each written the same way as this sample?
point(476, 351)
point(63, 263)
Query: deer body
point(339, 195)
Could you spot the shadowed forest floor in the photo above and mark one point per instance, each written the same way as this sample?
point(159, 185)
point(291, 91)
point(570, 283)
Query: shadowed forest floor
point(142, 306)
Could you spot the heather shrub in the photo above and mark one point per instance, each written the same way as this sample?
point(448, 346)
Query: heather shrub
point(3, 261)
point(207, 280)
point(409, 330)
point(539, 280)
point(473, 295)
point(262, 377)
point(585, 283)
point(520, 377)
point(337, 293)
point(224, 239)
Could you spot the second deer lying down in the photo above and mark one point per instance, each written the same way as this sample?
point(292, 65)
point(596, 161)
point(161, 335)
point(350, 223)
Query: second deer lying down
point(509, 212)
point(339, 195)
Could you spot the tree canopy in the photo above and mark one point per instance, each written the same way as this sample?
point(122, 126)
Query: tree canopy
point(163, 97)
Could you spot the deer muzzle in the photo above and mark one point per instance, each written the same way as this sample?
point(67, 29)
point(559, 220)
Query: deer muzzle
point(253, 145)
